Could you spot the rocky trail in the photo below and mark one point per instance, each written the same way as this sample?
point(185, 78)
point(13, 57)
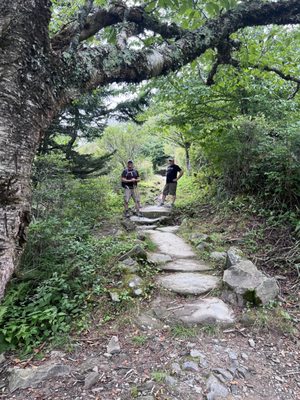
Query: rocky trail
point(189, 342)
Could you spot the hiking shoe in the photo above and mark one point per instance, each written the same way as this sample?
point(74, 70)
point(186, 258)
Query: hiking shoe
point(127, 214)
point(161, 204)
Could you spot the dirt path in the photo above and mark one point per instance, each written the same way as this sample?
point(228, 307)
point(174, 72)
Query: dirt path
point(185, 344)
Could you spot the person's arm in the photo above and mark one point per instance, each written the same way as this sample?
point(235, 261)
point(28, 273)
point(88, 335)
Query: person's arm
point(179, 176)
point(137, 177)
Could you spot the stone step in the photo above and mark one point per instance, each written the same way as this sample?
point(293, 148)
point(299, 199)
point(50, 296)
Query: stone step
point(146, 227)
point(170, 229)
point(171, 244)
point(185, 265)
point(155, 211)
point(197, 312)
point(188, 283)
point(147, 221)
point(159, 258)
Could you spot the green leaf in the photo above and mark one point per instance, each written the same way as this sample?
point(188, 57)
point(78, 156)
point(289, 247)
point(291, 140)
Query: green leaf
point(212, 8)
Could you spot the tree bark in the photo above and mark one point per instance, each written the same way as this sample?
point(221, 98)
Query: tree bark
point(25, 110)
point(39, 78)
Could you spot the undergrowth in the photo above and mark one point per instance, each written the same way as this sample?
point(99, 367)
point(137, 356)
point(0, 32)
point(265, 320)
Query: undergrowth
point(65, 269)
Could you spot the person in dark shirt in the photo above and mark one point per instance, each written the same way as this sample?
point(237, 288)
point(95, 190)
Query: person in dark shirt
point(130, 177)
point(172, 178)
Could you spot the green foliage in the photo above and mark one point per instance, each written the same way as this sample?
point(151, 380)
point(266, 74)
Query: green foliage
point(249, 156)
point(64, 269)
point(158, 376)
point(139, 340)
point(181, 331)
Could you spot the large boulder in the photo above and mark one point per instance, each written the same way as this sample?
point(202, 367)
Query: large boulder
point(249, 284)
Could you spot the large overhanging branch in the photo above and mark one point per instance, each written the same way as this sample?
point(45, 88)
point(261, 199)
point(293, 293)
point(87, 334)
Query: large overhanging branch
point(115, 14)
point(224, 56)
point(106, 64)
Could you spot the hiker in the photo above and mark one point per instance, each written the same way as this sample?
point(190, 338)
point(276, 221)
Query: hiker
point(171, 181)
point(130, 177)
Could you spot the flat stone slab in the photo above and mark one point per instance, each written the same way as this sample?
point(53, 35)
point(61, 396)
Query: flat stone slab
point(188, 283)
point(170, 229)
point(206, 311)
point(197, 312)
point(159, 258)
point(169, 243)
point(185, 265)
point(147, 221)
point(155, 211)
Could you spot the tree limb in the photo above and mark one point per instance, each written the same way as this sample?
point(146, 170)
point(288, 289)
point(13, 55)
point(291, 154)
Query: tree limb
point(117, 13)
point(106, 64)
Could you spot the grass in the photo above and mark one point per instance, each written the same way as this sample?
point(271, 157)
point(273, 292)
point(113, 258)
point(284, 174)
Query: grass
point(184, 332)
point(270, 318)
point(158, 376)
point(139, 340)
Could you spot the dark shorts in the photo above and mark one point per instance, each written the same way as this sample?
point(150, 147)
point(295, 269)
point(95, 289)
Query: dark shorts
point(170, 188)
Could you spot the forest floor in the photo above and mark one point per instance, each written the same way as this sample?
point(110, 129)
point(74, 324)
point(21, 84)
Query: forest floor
point(257, 357)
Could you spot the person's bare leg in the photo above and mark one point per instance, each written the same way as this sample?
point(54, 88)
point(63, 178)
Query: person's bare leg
point(163, 199)
point(137, 206)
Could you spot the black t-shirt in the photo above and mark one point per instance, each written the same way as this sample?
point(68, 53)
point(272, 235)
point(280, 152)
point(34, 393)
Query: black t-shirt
point(172, 172)
point(130, 174)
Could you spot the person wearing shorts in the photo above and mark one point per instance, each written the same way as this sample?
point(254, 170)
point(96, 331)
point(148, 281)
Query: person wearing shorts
point(172, 177)
point(130, 177)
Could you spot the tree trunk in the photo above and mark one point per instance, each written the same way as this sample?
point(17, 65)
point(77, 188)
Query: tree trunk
point(187, 157)
point(24, 113)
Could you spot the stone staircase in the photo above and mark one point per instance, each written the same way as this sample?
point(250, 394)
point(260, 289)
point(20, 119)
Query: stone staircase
point(182, 274)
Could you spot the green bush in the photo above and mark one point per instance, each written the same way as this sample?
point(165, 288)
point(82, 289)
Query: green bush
point(249, 156)
point(65, 266)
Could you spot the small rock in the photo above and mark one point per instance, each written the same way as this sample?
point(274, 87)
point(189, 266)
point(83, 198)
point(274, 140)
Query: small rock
point(232, 355)
point(218, 255)
point(216, 389)
point(251, 343)
point(244, 356)
point(135, 281)
point(170, 380)
point(115, 297)
point(141, 236)
point(223, 374)
point(190, 366)
point(243, 372)
point(175, 369)
point(113, 346)
point(2, 358)
point(203, 246)
point(234, 389)
point(136, 252)
point(203, 363)
point(196, 353)
point(233, 257)
point(198, 237)
point(91, 379)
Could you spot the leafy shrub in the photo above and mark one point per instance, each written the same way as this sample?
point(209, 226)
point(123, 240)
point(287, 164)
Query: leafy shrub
point(248, 156)
point(64, 267)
